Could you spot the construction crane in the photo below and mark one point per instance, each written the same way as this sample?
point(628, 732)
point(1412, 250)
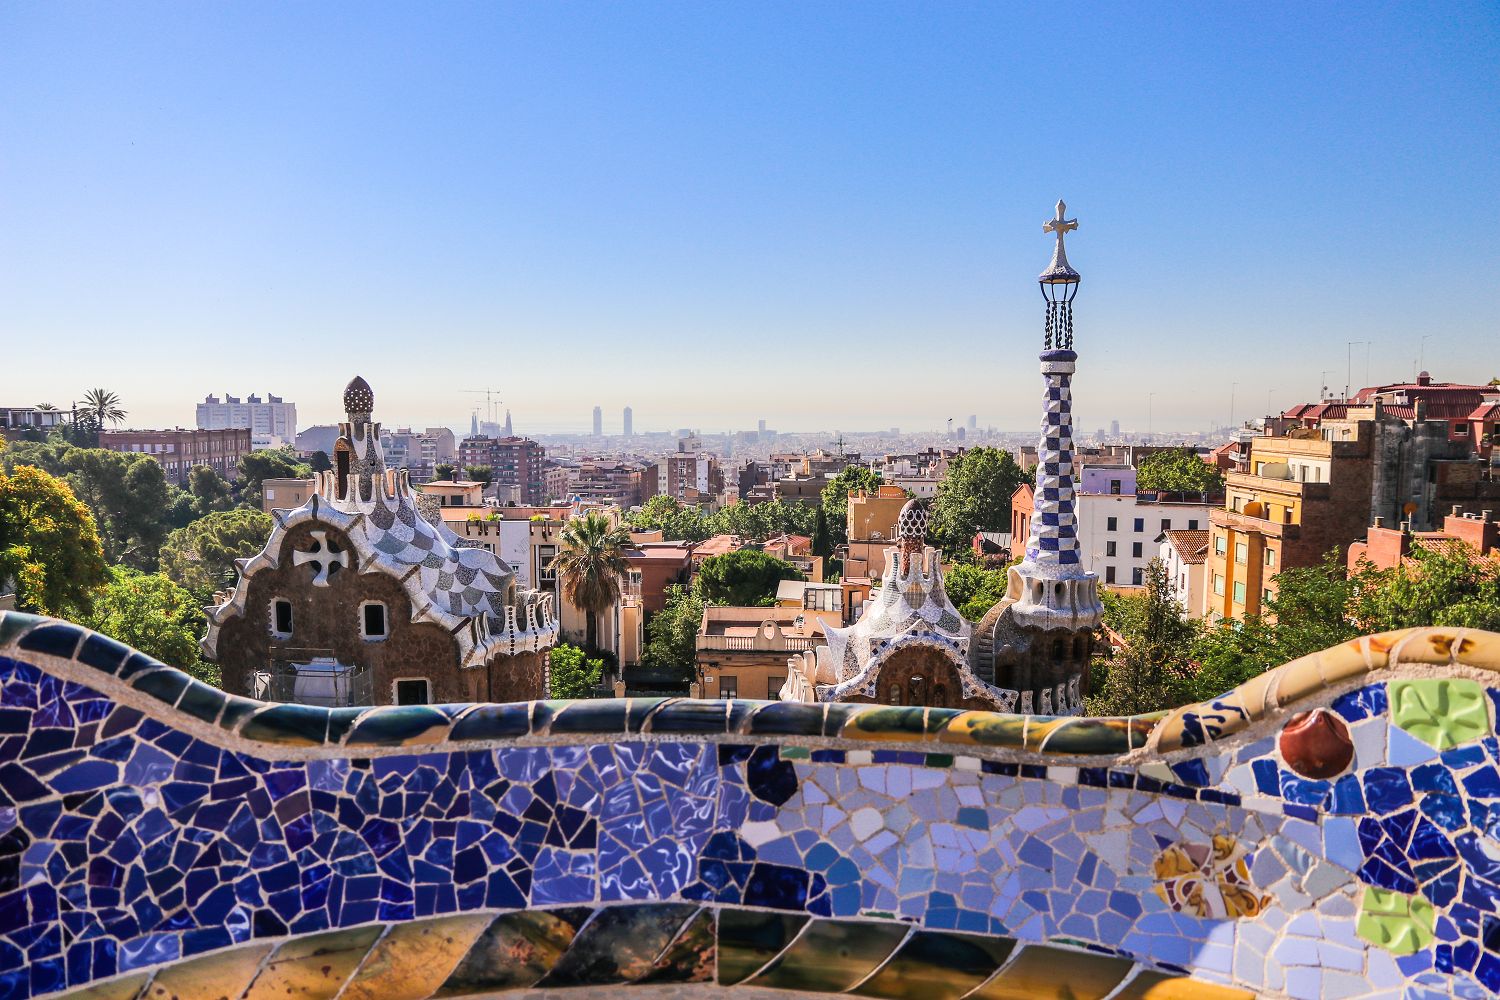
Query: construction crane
point(491, 398)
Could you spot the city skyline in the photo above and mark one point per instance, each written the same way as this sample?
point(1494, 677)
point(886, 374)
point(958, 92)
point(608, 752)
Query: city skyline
point(742, 195)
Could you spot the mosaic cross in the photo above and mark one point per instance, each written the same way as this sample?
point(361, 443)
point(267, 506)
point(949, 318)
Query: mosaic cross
point(323, 557)
point(1060, 225)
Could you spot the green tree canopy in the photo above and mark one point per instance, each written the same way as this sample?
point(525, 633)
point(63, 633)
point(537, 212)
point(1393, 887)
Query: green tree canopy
point(154, 615)
point(672, 633)
point(571, 673)
point(973, 589)
point(744, 579)
point(210, 491)
point(272, 463)
point(130, 498)
point(591, 562)
point(49, 546)
point(480, 474)
point(1178, 470)
point(200, 557)
point(443, 471)
point(974, 496)
point(320, 462)
point(836, 498)
point(1152, 671)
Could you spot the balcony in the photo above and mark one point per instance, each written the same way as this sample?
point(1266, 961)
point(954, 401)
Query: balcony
point(753, 644)
point(1238, 521)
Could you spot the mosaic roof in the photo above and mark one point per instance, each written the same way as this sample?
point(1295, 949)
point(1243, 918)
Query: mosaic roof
point(377, 511)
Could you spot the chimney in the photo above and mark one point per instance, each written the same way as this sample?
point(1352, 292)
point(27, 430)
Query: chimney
point(1487, 516)
point(1419, 410)
point(1424, 379)
point(1379, 522)
point(1457, 510)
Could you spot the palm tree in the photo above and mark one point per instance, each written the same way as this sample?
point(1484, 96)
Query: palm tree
point(591, 562)
point(46, 407)
point(104, 406)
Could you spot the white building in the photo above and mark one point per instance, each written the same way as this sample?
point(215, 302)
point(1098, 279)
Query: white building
point(1183, 554)
point(1117, 534)
point(267, 419)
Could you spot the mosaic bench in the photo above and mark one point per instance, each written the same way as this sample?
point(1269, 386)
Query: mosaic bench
point(1328, 829)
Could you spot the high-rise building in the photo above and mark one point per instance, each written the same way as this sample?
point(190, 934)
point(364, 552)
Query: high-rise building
point(506, 431)
point(515, 463)
point(598, 421)
point(1114, 428)
point(629, 422)
point(266, 419)
point(973, 422)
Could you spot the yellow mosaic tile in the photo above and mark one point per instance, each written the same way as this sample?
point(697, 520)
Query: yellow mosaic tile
point(1343, 662)
point(1160, 986)
point(118, 989)
point(1479, 649)
point(209, 977)
point(1040, 973)
point(1426, 645)
point(413, 960)
point(313, 968)
point(1299, 679)
point(1168, 732)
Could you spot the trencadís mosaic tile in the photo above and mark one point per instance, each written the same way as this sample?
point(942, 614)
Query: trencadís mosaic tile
point(160, 839)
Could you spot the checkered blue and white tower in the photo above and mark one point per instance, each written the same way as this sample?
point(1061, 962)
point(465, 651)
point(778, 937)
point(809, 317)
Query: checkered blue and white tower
point(1051, 587)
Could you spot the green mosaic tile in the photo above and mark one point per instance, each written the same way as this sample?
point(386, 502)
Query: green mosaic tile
point(515, 952)
point(786, 718)
point(399, 725)
point(748, 939)
point(937, 965)
point(795, 753)
point(939, 760)
point(619, 944)
point(1441, 713)
point(13, 624)
point(1401, 924)
point(831, 956)
point(690, 958)
point(299, 725)
point(166, 685)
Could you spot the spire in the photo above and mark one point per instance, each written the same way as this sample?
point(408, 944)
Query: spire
point(1055, 591)
point(359, 400)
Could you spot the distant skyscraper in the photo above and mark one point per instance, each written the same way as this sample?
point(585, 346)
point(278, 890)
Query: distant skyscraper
point(598, 422)
point(629, 422)
point(761, 427)
point(473, 425)
point(973, 422)
point(508, 431)
point(1114, 428)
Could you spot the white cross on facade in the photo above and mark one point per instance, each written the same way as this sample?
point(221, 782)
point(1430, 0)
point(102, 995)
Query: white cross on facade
point(322, 556)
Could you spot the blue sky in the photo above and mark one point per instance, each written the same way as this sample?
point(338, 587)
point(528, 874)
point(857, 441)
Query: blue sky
point(824, 214)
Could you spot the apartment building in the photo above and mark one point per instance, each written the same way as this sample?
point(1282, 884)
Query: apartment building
point(272, 417)
point(1118, 524)
point(515, 464)
point(179, 450)
point(1304, 496)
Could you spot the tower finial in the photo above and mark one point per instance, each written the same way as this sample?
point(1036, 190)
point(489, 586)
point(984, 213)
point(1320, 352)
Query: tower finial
point(1059, 283)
